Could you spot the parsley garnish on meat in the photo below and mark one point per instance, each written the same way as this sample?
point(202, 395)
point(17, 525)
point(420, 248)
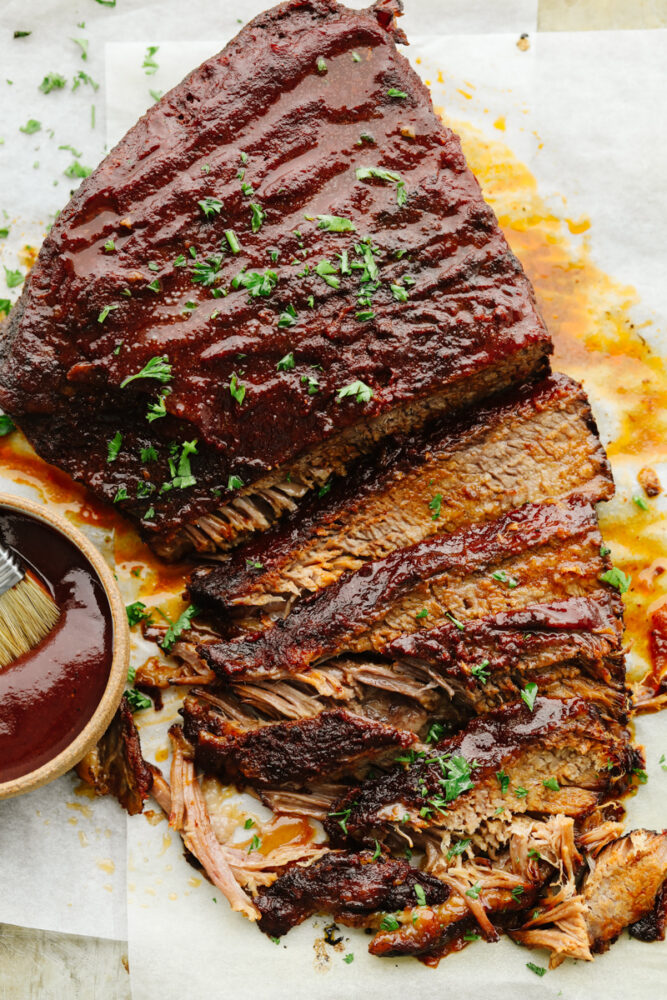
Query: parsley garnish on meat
point(479, 671)
point(113, 446)
point(328, 272)
point(256, 284)
point(529, 694)
point(287, 363)
point(158, 368)
point(399, 293)
point(460, 626)
point(210, 206)
point(181, 473)
point(236, 389)
point(321, 65)
point(552, 784)
point(395, 92)
point(422, 614)
point(121, 494)
point(435, 733)
point(154, 285)
point(377, 852)
point(421, 895)
point(288, 317)
point(257, 216)
point(312, 383)
point(180, 625)
point(345, 815)
point(255, 844)
point(458, 778)
point(205, 272)
point(234, 483)
point(359, 391)
point(503, 781)
point(457, 849)
point(232, 241)
point(389, 923)
point(158, 409)
point(502, 577)
point(474, 891)
point(336, 224)
point(105, 312)
point(381, 174)
point(137, 700)
point(521, 792)
point(109, 246)
point(435, 506)
point(615, 577)
point(6, 425)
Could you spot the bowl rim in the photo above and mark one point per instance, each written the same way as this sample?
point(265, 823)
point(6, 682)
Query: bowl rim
point(120, 659)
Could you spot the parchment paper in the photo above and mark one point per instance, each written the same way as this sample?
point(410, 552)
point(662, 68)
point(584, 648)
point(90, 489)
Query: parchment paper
point(595, 101)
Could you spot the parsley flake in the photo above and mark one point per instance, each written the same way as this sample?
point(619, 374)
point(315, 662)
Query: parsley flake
point(359, 391)
point(113, 446)
point(52, 81)
point(615, 577)
point(236, 389)
point(136, 613)
point(13, 278)
point(158, 368)
point(180, 625)
point(435, 506)
point(395, 92)
point(336, 224)
point(529, 694)
point(149, 65)
point(257, 216)
point(210, 206)
point(105, 312)
point(287, 363)
point(234, 483)
point(389, 923)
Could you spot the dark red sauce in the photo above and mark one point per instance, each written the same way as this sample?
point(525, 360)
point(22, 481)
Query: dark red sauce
point(48, 695)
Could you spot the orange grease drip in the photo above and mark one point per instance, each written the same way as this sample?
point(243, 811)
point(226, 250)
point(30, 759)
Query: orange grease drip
point(590, 317)
point(280, 831)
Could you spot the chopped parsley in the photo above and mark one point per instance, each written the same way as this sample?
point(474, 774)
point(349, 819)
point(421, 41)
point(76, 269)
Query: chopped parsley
point(479, 671)
point(210, 206)
point(529, 694)
point(420, 894)
point(113, 446)
point(205, 272)
point(521, 792)
point(287, 363)
point(503, 781)
point(257, 216)
point(254, 564)
point(336, 224)
point(158, 368)
point(435, 732)
point(326, 270)
point(321, 65)
point(121, 494)
point(180, 625)
point(377, 852)
point(389, 923)
point(31, 126)
point(136, 613)
point(435, 506)
point(640, 502)
point(109, 246)
point(154, 285)
point(474, 891)
point(149, 65)
point(137, 700)
point(255, 844)
point(471, 936)
point(349, 958)
point(105, 312)
point(235, 483)
point(552, 784)
point(640, 775)
point(395, 92)
point(364, 315)
point(358, 390)
point(52, 81)
point(502, 577)
point(342, 822)
point(379, 173)
point(236, 389)
point(517, 892)
point(356, 57)
point(256, 284)
point(399, 293)
point(615, 577)
point(232, 241)
point(5, 306)
point(181, 473)
point(77, 169)
point(83, 45)
point(288, 317)
point(13, 278)
point(422, 614)
point(460, 626)
point(457, 849)
point(159, 409)
point(458, 777)
point(6, 425)
point(312, 383)
point(539, 970)
point(148, 454)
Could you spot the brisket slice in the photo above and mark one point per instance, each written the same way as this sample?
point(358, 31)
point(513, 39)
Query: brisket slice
point(115, 766)
point(624, 886)
point(468, 325)
point(538, 552)
point(569, 648)
point(289, 753)
point(352, 887)
point(455, 787)
point(536, 443)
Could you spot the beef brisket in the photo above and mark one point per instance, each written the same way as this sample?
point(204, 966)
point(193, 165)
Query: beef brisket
point(115, 766)
point(540, 442)
point(557, 758)
point(279, 348)
point(538, 552)
point(353, 888)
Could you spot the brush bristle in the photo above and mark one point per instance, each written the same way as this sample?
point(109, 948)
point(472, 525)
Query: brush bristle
point(27, 615)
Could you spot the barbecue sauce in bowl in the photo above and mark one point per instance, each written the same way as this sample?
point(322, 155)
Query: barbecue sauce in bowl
point(49, 694)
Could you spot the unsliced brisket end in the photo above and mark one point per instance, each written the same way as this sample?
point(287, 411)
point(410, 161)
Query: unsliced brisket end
point(570, 648)
point(560, 757)
point(291, 753)
point(536, 443)
point(116, 765)
point(538, 552)
point(352, 887)
point(127, 272)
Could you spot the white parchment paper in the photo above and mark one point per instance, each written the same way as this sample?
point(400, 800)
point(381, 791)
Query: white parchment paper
point(596, 102)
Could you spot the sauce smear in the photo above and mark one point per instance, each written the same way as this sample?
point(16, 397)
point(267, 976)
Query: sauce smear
point(48, 695)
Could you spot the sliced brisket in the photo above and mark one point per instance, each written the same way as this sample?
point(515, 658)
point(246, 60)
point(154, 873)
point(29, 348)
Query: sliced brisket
point(207, 194)
point(557, 758)
point(538, 443)
point(538, 552)
point(353, 888)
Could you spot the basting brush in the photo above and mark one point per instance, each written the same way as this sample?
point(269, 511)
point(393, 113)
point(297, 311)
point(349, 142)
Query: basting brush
point(27, 610)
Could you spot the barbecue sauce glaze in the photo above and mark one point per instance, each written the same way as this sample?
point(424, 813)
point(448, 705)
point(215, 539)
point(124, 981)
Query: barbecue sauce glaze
point(48, 695)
